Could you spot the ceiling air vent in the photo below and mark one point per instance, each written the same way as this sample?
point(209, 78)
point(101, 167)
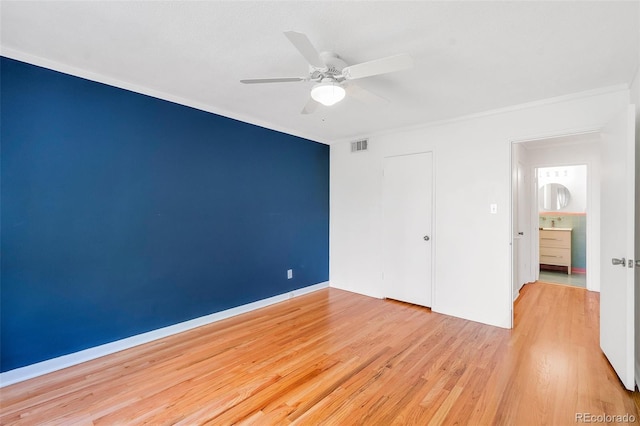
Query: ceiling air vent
point(361, 145)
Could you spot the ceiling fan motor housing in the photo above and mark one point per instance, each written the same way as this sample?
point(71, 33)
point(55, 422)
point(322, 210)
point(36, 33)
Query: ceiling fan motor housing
point(334, 66)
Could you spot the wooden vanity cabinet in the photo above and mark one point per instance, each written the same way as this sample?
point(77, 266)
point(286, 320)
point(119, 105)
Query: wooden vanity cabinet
point(555, 248)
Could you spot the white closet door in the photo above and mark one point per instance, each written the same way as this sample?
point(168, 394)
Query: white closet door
point(407, 221)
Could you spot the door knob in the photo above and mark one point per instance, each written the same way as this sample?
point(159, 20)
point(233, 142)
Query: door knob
point(637, 263)
point(622, 262)
point(426, 238)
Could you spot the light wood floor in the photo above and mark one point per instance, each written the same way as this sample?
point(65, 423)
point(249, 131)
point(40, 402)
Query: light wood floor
point(333, 357)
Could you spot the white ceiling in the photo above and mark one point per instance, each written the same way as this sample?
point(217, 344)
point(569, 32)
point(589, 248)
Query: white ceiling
point(469, 56)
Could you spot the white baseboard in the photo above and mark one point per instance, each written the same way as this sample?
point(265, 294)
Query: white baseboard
point(30, 371)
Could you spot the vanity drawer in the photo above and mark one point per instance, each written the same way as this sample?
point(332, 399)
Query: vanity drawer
point(555, 238)
point(555, 256)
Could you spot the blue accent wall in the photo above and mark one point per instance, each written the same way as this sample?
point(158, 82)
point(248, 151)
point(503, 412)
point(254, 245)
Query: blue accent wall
point(123, 213)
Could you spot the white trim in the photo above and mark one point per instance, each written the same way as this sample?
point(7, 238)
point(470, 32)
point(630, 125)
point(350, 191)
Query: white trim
point(584, 131)
point(100, 78)
point(34, 370)
point(497, 111)
point(89, 75)
point(512, 268)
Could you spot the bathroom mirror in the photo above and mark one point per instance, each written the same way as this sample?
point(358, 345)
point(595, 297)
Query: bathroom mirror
point(553, 196)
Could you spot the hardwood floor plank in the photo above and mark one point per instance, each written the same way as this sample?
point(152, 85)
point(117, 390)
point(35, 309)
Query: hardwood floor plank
point(333, 357)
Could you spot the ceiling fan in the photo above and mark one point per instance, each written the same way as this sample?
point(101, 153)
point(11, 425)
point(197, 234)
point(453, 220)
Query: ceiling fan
point(333, 76)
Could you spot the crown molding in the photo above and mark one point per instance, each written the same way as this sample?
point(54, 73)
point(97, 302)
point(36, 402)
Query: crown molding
point(497, 111)
point(132, 87)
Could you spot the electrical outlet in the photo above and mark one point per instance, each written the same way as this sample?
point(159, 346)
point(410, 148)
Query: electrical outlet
point(289, 274)
point(494, 209)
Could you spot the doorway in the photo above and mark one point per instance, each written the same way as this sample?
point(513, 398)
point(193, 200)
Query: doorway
point(556, 154)
point(610, 157)
point(562, 224)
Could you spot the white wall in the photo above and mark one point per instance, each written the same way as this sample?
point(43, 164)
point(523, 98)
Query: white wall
point(586, 151)
point(472, 266)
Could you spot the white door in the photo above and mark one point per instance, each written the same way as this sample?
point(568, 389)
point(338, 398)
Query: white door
point(617, 243)
point(407, 217)
point(521, 229)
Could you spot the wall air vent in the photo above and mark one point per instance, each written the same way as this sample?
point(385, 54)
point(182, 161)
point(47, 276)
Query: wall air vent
point(361, 145)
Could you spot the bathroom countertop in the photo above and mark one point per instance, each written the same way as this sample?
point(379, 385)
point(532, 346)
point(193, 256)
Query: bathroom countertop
point(555, 229)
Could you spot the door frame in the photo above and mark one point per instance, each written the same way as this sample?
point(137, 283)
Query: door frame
point(533, 231)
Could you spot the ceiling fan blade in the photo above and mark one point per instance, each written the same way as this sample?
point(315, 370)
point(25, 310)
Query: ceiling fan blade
point(378, 66)
point(272, 80)
point(309, 107)
point(306, 49)
point(365, 96)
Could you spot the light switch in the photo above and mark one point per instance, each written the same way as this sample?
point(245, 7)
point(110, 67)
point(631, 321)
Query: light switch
point(494, 209)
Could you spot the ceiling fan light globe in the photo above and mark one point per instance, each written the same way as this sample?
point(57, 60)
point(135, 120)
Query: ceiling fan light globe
point(328, 93)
